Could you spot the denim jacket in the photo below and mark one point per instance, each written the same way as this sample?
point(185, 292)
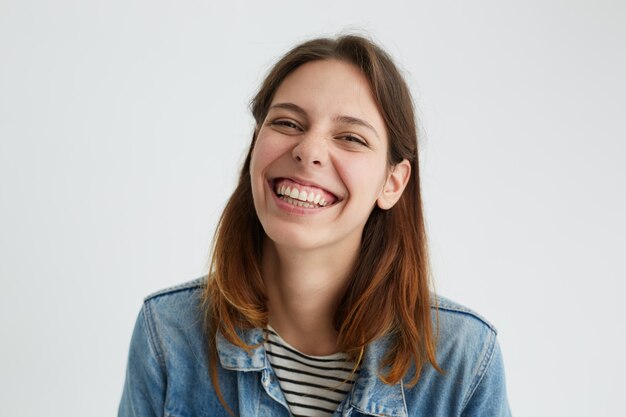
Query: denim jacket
point(167, 372)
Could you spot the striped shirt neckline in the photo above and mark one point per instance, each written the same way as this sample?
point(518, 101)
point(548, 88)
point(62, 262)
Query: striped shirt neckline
point(313, 386)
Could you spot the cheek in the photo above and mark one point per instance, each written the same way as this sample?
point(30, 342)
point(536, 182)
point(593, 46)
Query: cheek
point(365, 177)
point(266, 150)
point(259, 157)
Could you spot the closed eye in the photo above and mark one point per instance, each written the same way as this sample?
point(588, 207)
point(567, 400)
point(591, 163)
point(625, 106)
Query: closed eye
point(354, 139)
point(285, 123)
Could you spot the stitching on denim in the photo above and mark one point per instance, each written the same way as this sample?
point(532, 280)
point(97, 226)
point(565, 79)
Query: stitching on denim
point(454, 308)
point(406, 409)
point(360, 410)
point(191, 285)
point(247, 369)
point(151, 330)
point(371, 413)
point(268, 372)
point(482, 369)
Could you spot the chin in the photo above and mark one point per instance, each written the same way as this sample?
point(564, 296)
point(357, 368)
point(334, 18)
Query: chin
point(292, 239)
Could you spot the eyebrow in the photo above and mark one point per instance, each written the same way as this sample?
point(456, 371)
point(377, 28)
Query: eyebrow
point(350, 120)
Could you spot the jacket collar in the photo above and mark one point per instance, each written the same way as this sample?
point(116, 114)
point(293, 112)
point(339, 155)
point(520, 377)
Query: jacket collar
point(238, 359)
point(369, 394)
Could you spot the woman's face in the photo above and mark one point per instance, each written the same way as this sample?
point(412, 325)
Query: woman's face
point(319, 164)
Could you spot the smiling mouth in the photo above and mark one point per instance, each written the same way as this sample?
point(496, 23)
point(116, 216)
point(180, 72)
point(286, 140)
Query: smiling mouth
point(302, 195)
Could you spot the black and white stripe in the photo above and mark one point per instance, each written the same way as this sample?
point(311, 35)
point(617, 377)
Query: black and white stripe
point(313, 385)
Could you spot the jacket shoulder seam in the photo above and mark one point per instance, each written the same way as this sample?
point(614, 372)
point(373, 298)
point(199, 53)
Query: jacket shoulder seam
point(482, 369)
point(191, 285)
point(445, 305)
point(152, 334)
point(149, 311)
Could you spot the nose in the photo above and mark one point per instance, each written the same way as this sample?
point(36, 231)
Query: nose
point(311, 150)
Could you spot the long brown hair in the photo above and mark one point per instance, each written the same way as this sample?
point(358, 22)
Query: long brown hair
point(388, 291)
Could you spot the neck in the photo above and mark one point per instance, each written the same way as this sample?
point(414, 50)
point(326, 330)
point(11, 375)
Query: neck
point(304, 289)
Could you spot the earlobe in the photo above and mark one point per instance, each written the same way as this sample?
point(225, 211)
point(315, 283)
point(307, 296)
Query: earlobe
point(397, 179)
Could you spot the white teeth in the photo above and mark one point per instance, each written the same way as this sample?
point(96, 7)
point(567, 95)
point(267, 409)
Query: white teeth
point(300, 198)
point(297, 202)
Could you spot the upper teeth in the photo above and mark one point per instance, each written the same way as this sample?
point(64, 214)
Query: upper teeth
point(301, 195)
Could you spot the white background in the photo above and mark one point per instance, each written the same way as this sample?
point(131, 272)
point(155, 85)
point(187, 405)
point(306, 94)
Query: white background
point(123, 125)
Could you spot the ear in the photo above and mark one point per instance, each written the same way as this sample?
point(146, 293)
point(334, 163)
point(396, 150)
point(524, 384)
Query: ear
point(397, 179)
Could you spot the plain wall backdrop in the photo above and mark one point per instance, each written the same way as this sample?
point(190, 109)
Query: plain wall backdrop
point(123, 125)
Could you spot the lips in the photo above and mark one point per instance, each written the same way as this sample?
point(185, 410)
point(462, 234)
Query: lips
point(306, 192)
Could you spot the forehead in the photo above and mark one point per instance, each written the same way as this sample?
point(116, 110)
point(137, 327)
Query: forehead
point(330, 88)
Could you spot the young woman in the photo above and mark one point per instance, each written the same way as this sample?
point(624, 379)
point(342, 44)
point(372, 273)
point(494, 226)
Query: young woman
point(318, 300)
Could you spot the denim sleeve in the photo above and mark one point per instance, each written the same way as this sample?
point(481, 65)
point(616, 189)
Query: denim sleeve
point(144, 388)
point(489, 399)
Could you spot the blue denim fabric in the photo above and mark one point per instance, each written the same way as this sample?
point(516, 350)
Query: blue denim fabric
point(167, 371)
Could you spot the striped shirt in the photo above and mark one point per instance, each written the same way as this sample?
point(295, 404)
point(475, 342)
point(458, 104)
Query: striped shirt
point(312, 385)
